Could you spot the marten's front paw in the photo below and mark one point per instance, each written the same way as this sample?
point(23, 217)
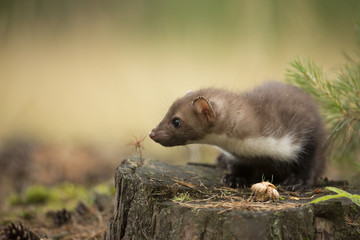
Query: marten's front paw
point(294, 184)
point(234, 181)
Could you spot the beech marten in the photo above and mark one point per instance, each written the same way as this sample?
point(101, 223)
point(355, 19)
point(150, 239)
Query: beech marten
point(273, 132)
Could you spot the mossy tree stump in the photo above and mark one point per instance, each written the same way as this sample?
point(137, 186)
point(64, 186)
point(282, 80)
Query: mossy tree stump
point(155, 200)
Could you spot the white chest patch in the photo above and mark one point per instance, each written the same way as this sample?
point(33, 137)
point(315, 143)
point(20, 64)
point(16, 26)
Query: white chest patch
point(282, 149)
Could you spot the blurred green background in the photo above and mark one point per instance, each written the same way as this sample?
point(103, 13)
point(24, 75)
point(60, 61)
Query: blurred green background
point(100, 72)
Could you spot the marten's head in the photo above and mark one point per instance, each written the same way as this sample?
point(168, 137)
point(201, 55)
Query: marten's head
point(188, 119)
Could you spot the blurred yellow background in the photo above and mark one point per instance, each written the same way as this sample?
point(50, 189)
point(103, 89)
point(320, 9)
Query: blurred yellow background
point(101, 72)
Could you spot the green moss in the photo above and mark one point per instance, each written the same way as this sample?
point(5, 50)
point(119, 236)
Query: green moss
point(67, 195)
point(64, 195)
point(182, 197)
point(112, 190)
point(276, 228)
point(27, 215)
point(37, 195)
point(14, 199)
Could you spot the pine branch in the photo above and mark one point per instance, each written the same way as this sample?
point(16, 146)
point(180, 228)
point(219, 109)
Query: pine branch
point(339, 97)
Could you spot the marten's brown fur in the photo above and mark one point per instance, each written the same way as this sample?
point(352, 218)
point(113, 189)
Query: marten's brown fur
point(272, 132)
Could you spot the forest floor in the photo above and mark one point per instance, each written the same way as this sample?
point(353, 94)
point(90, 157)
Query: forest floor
point(88, 223)
point(55, 192)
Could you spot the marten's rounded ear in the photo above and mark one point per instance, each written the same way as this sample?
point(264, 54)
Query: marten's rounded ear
point(203, 107)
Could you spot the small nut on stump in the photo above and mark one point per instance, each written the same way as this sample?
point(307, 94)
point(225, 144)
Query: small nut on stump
point(265, 191)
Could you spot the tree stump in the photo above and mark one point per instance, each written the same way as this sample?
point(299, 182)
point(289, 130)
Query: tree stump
point(155, 200)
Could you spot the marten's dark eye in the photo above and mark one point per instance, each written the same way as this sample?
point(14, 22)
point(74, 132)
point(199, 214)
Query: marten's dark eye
point(176, 122)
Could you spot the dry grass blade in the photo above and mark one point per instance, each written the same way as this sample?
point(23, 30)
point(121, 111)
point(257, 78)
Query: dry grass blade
point(228, 203)
point(190, 185)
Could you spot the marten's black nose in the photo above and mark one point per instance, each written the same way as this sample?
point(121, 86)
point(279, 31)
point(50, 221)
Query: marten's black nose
point(152, 135)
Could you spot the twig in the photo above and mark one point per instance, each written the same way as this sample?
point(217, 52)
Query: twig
point(138, 145)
